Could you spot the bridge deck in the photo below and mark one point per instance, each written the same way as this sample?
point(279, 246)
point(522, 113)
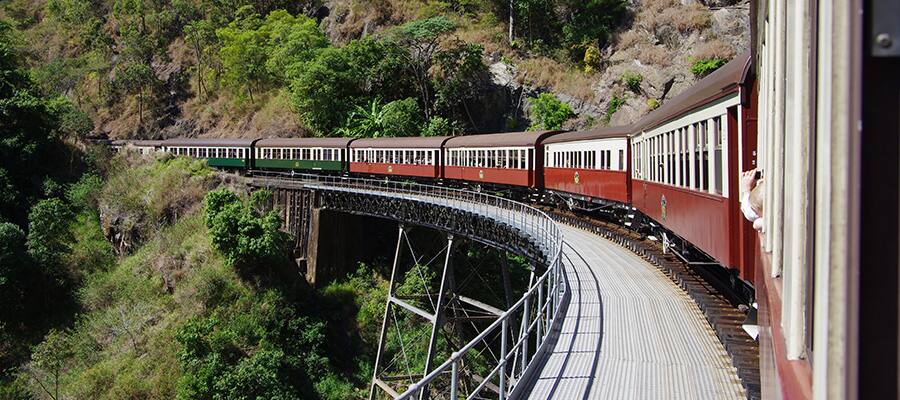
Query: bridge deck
point(630, 333)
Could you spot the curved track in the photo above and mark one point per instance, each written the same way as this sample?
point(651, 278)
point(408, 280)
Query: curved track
point(630, 333)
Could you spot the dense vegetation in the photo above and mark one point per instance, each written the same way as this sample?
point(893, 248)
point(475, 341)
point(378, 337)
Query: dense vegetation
point(135, 66)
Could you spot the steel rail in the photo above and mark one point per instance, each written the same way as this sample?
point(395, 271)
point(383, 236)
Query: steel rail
point(534, 223)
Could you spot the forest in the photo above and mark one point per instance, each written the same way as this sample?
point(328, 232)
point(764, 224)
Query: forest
point(140, 68)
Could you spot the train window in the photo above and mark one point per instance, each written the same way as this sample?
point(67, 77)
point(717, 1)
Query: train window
point(621, 160)
point(717, 154)
point(670, 158)
point(660, 161)
point(704, 155)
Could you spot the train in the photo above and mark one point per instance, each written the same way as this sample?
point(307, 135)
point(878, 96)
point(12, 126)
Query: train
point(677, 166)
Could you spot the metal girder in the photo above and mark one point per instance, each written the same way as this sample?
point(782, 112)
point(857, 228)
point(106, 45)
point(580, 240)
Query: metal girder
point(437, 318)
point(452, 220)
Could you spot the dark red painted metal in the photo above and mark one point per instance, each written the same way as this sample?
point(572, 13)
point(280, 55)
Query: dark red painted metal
point(700, 218)
point(601, 184)
point(425, 171)
point(503, 176)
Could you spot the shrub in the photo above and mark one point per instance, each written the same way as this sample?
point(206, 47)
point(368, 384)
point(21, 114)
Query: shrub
point(440, 126)
point(259, 349)
point(592, 59)
point(49, 236)
point(632, 80)
point(84, 193)
point(402, 118)
point(612, 107)
point(652, 104)
point(241, 232)
point(548, 112)
point(704, 67)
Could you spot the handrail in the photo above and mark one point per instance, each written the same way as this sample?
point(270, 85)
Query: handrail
point(547, 303)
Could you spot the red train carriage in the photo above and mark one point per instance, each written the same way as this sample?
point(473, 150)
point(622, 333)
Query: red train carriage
point(500, 158)
point(686, 162)
point(399, 156)
point(591, 164)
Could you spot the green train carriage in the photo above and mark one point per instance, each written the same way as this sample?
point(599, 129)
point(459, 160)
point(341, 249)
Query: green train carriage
point(298, 154)
point(219, 153)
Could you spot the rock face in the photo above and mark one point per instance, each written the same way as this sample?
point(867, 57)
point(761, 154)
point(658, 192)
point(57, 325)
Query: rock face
point(660, 47)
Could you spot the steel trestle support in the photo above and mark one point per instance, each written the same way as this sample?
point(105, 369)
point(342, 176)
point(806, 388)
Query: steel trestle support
point(437, 319)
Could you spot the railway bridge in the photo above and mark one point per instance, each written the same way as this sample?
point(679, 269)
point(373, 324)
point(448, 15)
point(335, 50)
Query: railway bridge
point(595, 320)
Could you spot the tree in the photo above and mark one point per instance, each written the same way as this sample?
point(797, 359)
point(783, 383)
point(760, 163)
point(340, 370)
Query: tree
point(548, 113)
point(48, 361)
point(462, 77)
point(290, 40)
point(30, 148)
point(12, 258)
point(201, 35)
point(243, 52)
point(440, 126)
point(327, 89)
point(402, 118)
point(366, 122)
point(49, 237)
point(420, 39)
point(246, 236)
point(266, 351)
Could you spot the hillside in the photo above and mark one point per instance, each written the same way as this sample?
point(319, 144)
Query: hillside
point(146, 69)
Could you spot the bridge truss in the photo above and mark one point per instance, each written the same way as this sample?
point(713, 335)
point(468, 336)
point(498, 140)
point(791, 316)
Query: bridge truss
point(508, 345)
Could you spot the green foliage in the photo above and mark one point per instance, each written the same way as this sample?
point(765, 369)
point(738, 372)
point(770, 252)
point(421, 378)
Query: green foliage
point(612, 107)
point(426, 30)
point(242, 233)
point(397, 118)
point(592, 22)
point(84, 193)
point(260, 349)
point(31, 148)
point(632, 80)
point(440, 126)
point(49, 360)
point(462, 79)
point(402, 118)
point(574, 25)
point(290, 40)
point(326, 90)
point(704, 67)
point(49, 237)
point(12, 240)
point(652, 104)
point(592, 59)
point(420, 42)
point(365, 122)
point(256, 53)
point(90, 251)
point(548, 112)
point(243, 53)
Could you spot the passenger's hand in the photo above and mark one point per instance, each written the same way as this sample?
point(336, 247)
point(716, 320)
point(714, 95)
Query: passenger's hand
point(748, 180)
